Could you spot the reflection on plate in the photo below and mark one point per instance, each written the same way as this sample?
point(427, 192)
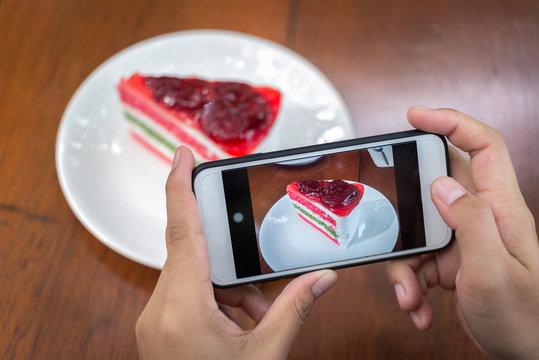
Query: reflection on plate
point(288, 242)
point(116, 188)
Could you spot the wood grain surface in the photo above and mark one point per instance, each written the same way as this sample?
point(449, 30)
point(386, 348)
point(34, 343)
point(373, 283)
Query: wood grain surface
point(65, 295)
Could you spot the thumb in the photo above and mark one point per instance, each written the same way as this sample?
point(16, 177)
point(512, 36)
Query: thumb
point(187, 254)
point(288, 312)
point(472, 219)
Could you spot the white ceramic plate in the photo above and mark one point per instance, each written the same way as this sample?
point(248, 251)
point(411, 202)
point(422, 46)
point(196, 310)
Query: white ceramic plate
point(116, 188)
point(288, 242)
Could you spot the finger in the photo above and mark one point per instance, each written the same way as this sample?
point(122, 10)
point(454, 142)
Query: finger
point(492, 169)
point(460, 169)
point(288, 312)
point(423, 315)
point(473, 221)
point(248, 298)
point(492, 172)
point(187, 253)
point(401, 274)
point(411, 279)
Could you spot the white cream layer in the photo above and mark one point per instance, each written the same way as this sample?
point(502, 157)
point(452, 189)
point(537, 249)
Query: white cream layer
point(202, 139)
point(346, 226)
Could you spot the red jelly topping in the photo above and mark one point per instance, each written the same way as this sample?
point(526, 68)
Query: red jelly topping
point(228, 112)
point(314, 188)
point(178, 94)
point(335, 194)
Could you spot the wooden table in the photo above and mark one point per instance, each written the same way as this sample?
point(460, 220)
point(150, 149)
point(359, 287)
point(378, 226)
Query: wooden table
point(63, 294)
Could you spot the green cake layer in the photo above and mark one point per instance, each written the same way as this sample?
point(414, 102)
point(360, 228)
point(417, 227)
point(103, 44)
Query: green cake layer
point(150, 132)
point(317, 221)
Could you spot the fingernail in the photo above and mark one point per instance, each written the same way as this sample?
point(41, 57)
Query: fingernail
point(400, 292)
point(422, 108)
point(415, 318)
point(324, 283)
point(448, 190)
point(176, 158)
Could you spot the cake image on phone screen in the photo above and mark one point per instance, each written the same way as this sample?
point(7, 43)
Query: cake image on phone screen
point(331, 206)
point(216, 119)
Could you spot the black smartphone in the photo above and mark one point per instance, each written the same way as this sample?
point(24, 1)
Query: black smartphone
point(279, 214)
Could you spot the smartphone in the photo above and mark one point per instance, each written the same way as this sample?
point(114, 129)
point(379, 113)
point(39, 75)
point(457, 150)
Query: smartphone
point(280, 214)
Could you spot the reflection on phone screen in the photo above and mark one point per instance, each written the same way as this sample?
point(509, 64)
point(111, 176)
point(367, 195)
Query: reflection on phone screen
point(322, 209)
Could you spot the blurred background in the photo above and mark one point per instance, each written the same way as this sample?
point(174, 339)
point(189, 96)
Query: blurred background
point(64, 294)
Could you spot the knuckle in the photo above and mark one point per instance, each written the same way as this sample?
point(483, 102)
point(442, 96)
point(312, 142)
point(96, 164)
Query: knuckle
point(497, 139)
point(302, 307)
point(496, 136)
point(478, 211)
point(174, 233)
point(170, 329)
point(452, 110)
point(176, 181)
point(397, 269)
point(175, 237)
point(160, 325)
point(182, 233)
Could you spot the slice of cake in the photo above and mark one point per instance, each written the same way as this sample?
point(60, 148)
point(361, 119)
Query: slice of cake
point(331, 206)
point(216, 119)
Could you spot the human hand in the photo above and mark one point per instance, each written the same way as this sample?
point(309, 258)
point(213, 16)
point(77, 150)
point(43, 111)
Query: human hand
point(493, 266)
point(186, 318)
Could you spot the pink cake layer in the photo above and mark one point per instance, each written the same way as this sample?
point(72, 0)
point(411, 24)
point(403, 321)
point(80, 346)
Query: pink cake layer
point(163, 118)
point(150, 147)
point(302, 199)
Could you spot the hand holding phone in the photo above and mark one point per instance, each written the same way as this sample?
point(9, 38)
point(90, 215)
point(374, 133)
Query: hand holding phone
point(493, 265)
point(187, 318)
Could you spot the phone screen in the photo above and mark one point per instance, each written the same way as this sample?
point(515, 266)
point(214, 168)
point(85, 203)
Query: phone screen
point(274, 229)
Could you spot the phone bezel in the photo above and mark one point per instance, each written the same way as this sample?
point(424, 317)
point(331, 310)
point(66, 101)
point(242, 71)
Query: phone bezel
point(221, 257)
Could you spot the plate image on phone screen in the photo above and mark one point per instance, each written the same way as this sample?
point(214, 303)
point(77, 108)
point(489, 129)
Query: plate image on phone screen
point(273, 230)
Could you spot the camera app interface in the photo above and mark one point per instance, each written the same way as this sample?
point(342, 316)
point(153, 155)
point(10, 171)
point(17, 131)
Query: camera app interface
point(323, 209)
